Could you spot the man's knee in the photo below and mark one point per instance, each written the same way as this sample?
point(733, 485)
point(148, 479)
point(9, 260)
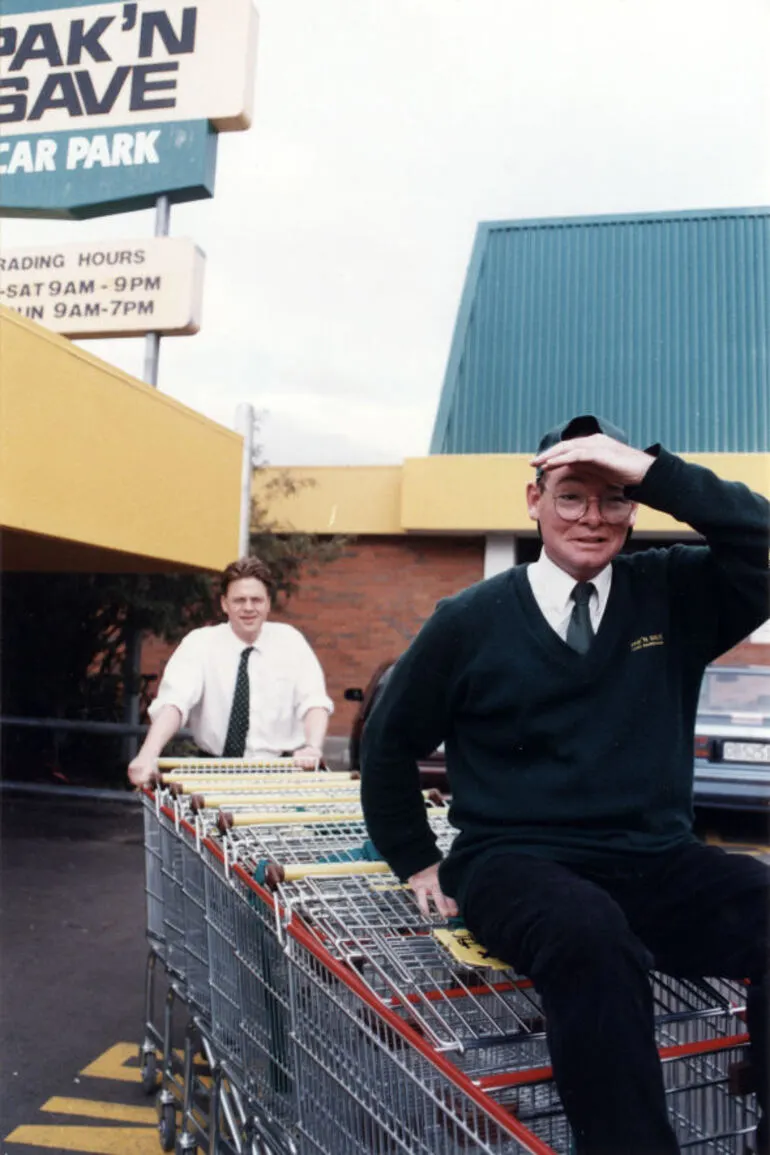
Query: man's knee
point(569, 939)
point(599, 942)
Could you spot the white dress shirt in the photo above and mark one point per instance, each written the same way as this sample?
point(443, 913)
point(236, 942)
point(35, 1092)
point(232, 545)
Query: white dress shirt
point(552, 589)
point(285, 681)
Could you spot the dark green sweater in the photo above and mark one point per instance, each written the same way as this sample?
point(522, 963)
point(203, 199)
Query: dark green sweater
point(560, 755)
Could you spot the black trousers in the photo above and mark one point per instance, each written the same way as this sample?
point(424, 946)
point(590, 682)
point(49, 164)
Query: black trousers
point(587, 938)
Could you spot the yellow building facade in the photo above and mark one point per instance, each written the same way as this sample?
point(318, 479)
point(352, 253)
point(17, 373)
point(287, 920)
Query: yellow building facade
point(453, 494)
point(101, 472)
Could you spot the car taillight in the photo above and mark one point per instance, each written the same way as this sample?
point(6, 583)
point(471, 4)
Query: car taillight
point(702, 747)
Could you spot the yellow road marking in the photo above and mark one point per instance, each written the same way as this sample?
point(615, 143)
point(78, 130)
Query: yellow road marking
point(93, 1109)
point(117, 1140)
point(96, 1140)
point(112, 1064)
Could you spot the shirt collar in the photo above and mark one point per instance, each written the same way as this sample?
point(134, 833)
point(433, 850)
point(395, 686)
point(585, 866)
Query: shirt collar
point(237, 643)
point(554, 586)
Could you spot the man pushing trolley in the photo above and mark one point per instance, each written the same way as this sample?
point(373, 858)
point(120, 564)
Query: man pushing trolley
point(247, 687)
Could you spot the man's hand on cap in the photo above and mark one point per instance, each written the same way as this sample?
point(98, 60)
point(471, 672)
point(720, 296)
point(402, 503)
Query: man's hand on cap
point(619, 463)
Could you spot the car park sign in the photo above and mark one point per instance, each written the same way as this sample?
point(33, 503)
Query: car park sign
point(107, 104)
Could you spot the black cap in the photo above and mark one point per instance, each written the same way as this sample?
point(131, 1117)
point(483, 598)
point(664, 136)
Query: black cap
point(582, 426)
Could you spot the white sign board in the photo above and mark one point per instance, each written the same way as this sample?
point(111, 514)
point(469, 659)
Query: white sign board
point(101, 64)
point(107, 289)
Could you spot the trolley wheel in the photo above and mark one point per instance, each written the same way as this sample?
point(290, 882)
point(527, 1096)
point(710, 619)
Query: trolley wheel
point(167, 1126)
point(150, 1073)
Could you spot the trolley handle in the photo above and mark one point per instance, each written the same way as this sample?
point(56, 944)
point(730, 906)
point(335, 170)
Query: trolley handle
point(275, 873)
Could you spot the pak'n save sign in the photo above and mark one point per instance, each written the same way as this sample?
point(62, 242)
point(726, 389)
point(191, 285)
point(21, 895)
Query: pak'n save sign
point(106, 104)
point(95, 65)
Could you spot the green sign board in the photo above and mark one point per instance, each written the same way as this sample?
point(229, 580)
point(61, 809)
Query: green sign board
point(94, 173)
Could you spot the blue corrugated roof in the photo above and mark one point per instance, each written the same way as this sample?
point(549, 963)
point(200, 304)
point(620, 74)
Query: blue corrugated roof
point(658, 321)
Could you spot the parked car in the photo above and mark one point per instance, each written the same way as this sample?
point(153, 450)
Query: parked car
point(732, 737)
point(432, 768)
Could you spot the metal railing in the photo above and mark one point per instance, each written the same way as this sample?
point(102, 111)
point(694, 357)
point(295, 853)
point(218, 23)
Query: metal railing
point(117, 729)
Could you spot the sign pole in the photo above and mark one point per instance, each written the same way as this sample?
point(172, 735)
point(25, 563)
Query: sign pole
point(244, 423)
point(133, 655)
point(152, 340)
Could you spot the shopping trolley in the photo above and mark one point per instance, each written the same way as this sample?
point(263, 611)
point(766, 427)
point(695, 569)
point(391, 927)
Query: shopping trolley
point(340, 1020)
point(358, 1026)
point(189, 924)
point(489, 1026)
point(177, 922)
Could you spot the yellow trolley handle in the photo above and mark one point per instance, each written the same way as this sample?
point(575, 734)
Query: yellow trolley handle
point(215, 801)
point(186, 783)
point(275, 874)
point(228, 819)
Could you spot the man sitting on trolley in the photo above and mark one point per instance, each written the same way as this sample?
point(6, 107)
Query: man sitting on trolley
point(565, 694)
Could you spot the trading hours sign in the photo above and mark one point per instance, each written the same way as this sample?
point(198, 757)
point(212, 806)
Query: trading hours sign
point(109, 289)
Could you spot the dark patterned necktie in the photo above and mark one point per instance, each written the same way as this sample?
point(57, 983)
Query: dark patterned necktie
point(238, 726)
point(580, 632)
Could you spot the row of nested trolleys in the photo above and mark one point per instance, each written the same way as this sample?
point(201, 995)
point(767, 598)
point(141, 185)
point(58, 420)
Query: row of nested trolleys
point(335, 1021)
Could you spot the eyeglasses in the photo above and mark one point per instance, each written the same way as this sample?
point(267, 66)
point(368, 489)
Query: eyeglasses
point(572, 506)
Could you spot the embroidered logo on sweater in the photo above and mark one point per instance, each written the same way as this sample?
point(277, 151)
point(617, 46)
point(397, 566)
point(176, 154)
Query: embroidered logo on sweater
point(646, 642)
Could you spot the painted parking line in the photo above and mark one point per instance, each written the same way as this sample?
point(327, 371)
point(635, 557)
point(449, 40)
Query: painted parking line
point(133, 1129)
point(96, 1109)
point(112, 1064)
point(121, 1063)
point(94, 1140)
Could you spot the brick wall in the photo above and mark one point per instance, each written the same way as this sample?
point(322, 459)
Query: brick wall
point(746, 654)
point(366, 606)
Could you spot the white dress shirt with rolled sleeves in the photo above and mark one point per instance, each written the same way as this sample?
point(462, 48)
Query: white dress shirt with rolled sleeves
point(552, 589)
point(285, 681)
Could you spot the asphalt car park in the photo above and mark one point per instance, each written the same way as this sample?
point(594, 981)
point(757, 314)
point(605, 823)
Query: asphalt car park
point(72, 959)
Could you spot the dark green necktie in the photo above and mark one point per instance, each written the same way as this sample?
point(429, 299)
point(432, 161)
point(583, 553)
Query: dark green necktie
point(238, 726)
point(580, 632)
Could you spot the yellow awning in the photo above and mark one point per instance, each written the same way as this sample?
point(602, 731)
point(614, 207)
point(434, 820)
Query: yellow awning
point(99, 471)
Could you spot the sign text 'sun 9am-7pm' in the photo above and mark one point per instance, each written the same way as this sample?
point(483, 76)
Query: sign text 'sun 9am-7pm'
point(94, 92)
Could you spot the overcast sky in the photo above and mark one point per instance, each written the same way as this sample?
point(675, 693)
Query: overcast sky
point(384, 131)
